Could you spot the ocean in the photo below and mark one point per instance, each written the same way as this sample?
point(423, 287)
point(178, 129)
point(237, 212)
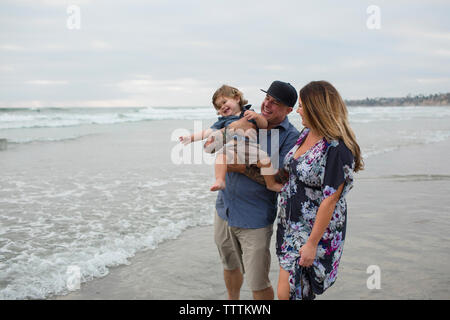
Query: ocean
point(86, 189)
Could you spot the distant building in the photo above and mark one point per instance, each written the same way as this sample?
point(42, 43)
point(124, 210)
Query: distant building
point(441, 99)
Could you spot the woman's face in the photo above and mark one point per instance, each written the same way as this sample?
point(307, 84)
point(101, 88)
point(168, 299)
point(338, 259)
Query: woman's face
point(300, 112)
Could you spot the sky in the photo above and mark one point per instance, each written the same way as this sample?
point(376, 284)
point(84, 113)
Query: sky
point(178, 52)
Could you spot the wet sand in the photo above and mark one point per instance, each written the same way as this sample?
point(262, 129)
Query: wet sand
point(398, 220)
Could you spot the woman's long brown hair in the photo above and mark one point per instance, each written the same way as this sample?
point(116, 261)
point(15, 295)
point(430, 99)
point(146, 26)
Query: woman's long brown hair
point(326, 113)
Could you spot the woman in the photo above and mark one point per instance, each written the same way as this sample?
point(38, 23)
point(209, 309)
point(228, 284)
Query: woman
point(312, 208)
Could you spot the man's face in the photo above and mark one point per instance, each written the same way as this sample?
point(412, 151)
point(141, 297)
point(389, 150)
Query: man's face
point(273, 110)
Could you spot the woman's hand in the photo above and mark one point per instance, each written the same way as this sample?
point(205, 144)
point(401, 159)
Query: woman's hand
point(307, 254)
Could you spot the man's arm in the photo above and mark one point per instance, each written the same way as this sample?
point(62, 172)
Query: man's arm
point(254, 173)
point(239, 168)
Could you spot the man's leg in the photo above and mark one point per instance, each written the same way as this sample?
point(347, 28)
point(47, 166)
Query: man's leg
point(265, 294)
point(233, 282)
point(255, 244)
point(232, 273)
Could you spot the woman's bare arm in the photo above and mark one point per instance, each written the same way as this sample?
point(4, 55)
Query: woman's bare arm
point(323, 217)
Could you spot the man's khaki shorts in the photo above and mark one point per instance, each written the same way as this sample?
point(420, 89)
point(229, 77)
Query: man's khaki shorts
point(247, 249)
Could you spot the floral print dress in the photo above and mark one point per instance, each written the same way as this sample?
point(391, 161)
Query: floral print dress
point(313, 177)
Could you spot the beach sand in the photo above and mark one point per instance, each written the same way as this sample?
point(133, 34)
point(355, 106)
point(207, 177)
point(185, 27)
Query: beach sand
point(398, 220)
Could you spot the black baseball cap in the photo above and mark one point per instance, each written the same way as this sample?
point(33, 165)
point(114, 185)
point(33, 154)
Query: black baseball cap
point(283, 92)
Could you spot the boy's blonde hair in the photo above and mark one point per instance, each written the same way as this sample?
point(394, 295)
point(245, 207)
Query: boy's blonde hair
point(229, 92)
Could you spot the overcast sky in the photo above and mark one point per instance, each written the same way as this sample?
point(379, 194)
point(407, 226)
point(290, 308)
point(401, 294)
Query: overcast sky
point(177, 52)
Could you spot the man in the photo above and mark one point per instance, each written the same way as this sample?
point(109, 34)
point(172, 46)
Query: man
point(246, 209)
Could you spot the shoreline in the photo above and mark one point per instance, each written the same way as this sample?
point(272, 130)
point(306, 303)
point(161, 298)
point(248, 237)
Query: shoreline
point(150, 271)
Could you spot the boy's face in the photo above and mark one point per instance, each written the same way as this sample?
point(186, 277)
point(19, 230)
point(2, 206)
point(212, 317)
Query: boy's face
point(227, 106)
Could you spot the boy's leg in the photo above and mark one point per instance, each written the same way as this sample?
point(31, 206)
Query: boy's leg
point(220, 168)
point(224, 156)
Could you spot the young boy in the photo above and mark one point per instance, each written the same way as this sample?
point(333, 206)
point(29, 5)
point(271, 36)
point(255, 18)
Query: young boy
point(236, 126)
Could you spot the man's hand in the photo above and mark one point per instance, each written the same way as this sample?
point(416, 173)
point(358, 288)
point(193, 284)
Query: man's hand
point(214, 141)
point(208, 141)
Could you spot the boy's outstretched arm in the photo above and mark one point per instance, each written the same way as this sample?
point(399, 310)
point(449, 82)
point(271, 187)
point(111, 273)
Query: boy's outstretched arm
point(196, 136)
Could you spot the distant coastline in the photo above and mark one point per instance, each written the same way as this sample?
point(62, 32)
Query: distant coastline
point(440, 99)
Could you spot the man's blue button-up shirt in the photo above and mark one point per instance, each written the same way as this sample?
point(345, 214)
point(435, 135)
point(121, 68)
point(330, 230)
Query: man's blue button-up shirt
point(244, 203)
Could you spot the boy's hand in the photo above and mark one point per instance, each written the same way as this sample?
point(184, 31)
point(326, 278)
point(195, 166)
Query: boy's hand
point(250, 115)
point(185, 140)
